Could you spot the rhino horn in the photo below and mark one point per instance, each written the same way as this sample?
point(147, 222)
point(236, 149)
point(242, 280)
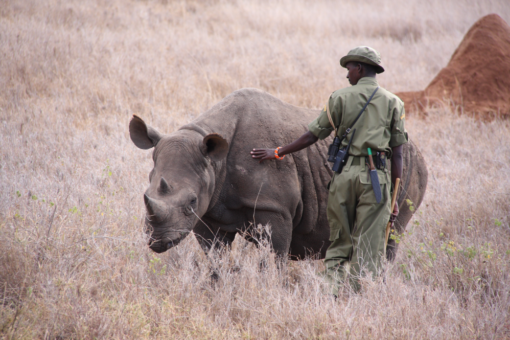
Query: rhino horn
point(164, 187)
point(154, 207)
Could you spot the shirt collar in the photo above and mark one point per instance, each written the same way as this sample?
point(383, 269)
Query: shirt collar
point(368, 81)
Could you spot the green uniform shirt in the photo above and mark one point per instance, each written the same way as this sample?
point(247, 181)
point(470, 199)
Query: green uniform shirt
point(380, 127)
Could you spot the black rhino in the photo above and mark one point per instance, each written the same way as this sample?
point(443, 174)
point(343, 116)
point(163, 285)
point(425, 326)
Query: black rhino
point(205, 170)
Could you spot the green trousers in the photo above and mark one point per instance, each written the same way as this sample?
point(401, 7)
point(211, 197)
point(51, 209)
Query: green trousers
point(357, 223)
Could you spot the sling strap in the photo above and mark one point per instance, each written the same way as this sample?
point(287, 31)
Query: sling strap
point(331, 120)
point(359, 115)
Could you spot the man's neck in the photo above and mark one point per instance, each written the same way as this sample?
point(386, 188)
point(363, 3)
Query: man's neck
point(367, 79)
point(368, 76)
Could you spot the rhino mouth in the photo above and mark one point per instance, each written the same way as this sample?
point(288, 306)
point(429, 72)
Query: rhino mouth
point(162, 245)
point(160, 242)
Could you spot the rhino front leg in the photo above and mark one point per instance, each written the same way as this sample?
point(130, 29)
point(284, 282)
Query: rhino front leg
point(276, 228)
point(210, 236)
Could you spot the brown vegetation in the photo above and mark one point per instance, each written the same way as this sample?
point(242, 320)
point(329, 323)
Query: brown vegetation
point(73, 257)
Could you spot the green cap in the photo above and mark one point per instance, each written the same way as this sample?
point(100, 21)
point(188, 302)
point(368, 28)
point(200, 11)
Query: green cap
point(364, 54)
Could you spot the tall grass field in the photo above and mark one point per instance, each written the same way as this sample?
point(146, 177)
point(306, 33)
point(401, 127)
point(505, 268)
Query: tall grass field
point(74, 261)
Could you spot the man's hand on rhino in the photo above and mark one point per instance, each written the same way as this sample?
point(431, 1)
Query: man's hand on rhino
point(302, 142)
point(262, 154)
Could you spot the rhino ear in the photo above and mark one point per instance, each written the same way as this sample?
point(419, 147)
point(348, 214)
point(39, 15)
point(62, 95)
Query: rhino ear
point(142, 135)
point(215, 147)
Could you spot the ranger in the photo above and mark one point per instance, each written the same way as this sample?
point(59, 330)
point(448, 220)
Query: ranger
point(366, 119)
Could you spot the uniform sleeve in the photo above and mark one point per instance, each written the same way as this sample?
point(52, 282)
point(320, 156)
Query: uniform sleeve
point(398, 130)
point(320, 126)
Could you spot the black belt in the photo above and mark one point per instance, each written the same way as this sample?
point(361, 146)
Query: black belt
point(379, 160)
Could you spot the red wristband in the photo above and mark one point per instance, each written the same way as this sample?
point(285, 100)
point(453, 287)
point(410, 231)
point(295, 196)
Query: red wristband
point(276, 153)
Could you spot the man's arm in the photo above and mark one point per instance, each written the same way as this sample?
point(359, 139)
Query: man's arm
point(396, 163)
point(302, 142)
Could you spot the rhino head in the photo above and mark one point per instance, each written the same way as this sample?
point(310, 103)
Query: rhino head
point(182, 181)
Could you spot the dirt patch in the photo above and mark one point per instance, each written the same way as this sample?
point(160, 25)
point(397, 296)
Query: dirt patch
point(476, 78)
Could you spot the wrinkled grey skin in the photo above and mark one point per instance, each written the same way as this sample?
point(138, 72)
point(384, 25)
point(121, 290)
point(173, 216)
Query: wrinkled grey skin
point(205, 169)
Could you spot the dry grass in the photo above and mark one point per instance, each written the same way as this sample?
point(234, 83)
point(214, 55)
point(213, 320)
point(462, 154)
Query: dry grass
point(73, 257)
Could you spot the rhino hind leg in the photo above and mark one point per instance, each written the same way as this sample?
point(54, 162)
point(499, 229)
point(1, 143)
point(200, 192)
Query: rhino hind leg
point(411, 193)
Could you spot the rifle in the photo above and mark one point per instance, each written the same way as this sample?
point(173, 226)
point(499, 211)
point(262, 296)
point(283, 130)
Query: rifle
point(393, 201)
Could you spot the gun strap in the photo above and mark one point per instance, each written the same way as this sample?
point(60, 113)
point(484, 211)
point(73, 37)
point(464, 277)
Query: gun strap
point(359, 115)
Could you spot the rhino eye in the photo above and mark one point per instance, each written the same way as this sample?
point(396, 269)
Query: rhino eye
point(188, 210)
